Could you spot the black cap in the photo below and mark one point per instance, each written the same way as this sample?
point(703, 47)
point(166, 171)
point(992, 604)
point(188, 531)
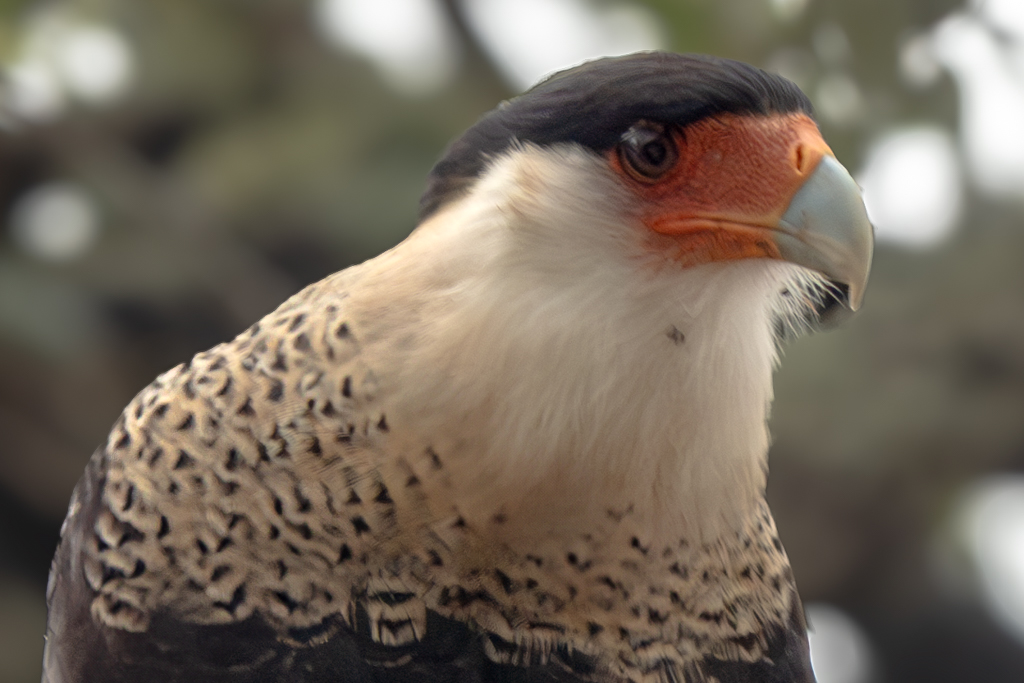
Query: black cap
point(595, 103)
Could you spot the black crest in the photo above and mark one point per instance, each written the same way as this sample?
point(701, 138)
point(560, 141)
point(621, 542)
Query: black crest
point(595, 103)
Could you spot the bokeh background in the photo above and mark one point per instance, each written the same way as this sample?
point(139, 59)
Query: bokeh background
point(170, 170)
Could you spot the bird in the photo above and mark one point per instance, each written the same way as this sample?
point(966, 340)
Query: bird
point(529, 443)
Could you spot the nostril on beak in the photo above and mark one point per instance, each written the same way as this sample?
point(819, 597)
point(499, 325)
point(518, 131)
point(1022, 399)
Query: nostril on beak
point(801, 159)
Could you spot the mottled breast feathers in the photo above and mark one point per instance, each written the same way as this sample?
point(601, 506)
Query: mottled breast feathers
point(312, 501)
point(250, 520)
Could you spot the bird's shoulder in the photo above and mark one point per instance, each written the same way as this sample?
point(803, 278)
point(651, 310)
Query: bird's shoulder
point(83, 646)
point(208, 507)
point(251, 518)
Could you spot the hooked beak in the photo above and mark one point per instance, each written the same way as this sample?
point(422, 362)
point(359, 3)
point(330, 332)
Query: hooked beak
point(763, 187)
point(826, 229)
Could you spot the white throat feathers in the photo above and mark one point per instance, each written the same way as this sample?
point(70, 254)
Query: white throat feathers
point(583, 370)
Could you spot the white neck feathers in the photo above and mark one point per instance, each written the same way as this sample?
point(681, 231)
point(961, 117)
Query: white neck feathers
point(567, 370)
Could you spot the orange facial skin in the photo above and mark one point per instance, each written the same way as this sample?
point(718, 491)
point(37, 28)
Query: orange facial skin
point(733, 181)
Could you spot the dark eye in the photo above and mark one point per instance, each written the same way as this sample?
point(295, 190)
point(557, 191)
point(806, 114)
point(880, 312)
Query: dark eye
point(647, 151)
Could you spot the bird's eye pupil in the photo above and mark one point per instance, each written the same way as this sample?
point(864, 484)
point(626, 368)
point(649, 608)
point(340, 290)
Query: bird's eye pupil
point(648, 151)
point(655, 153)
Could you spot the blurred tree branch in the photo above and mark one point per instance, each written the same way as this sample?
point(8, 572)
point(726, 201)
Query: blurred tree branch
point(478, 63)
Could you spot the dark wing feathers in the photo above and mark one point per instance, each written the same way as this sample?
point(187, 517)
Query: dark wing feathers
point(74, 643)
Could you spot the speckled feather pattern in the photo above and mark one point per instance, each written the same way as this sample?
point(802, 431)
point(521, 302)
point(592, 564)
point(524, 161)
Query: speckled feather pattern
point(278, 475)
point(217, 506)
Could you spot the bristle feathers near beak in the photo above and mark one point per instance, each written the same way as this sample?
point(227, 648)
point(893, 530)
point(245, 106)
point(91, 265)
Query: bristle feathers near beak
point(826, 229)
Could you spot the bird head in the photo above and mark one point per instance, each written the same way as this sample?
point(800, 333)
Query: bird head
point(723, 162)
point(618, 249)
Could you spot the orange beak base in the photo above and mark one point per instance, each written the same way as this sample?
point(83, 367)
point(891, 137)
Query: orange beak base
point(735, 178)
